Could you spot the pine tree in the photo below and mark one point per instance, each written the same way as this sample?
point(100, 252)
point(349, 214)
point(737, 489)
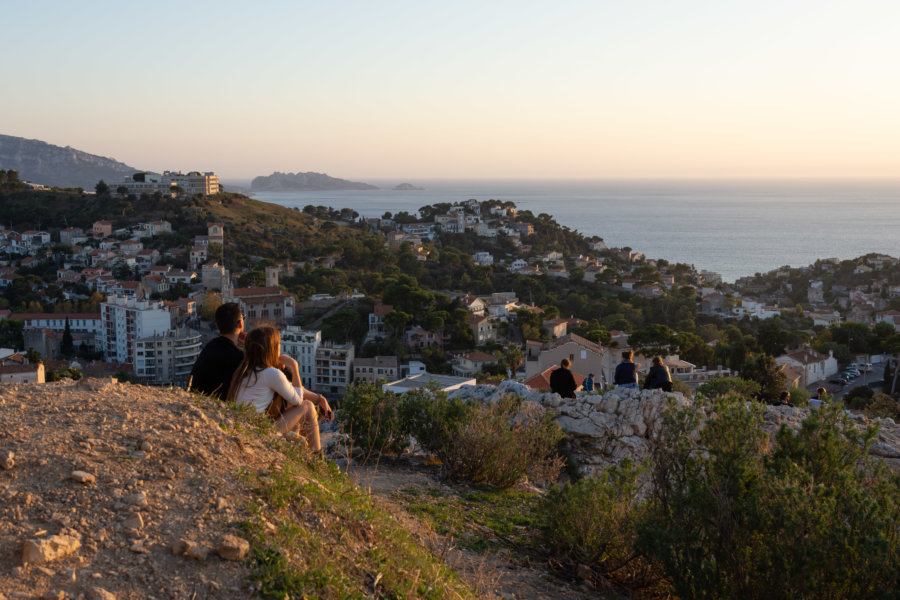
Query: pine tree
point(68, 345)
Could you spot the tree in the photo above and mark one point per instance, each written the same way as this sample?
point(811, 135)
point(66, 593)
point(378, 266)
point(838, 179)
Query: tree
point(33, 356)
point(102, 188)
point(762, 369)
point(67, 347)
point(513, 358)
point(653, 340)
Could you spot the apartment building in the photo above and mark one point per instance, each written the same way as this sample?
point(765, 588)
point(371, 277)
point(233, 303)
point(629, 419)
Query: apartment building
point(126, 320)
point(375, 368)
point(334, 368)
point(167, 358)
point(301, 345)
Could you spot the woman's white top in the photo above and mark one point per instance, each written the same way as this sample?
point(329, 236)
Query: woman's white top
point(259, 388)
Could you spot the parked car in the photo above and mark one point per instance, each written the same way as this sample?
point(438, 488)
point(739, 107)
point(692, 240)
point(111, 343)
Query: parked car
point(838, 380)
point(847, 375)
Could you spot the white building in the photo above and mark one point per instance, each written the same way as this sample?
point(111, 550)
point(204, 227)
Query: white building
point(126, 320)
point(334, 368)
point(194, 183)
point(167, 358)
point(301, 345)
point(483, 258)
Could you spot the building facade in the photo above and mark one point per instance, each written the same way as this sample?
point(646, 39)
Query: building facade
point(167, 358)
point(301, 345)
point(334, 368)
point(126, 320)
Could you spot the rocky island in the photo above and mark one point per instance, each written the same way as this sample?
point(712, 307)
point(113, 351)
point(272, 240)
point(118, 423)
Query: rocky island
point(407, 187)
point(277, 182)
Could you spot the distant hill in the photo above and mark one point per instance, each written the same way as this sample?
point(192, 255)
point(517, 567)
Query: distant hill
point(305, 181)
point(407, 187)
point(51, 165)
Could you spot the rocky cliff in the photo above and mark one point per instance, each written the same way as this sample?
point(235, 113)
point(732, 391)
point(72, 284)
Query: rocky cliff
point(50, 165)
point(277, 182)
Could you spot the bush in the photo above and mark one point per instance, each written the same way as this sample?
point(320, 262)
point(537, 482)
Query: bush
point(859, 397)
point(493, 444)
point(812, 517)
point(593, 521)
point(883, 406)
point(800, 396)
point(723, 386)
point(370, 418)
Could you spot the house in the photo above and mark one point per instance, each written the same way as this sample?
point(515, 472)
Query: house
point(418, 338)
point(472, 303)
point(155, 284)
point(27, 373)
point(483, 258)
point(471, 363)
point(376, 368)
point(825, 318)
point(891, 317)
point(482, 328)
point(555, 328)
point(816, 366)
point(377, 327)
point(585, 356)
point(102, 229)
point(260, 303)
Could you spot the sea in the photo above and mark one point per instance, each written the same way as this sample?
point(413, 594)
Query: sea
point(734, 228)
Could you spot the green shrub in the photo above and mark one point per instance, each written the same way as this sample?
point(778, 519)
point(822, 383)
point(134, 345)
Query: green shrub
point(800, 396)
point(723, 386)
point(859, 397)
point(729, 517)
point(370, 417)
point(593, 521)
point(493, 444)
point(883, 406)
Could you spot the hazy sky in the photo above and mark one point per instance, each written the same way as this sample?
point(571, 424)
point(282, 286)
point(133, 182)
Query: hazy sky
point(419, 89)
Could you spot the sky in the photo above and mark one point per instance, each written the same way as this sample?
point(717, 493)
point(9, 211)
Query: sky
point(462, 90)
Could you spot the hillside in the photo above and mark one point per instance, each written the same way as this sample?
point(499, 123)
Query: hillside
point(51, 165)
point(136, 492)
point(304, 181)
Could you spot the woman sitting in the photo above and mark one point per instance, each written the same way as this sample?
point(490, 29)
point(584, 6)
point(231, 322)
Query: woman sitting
point(260, 382)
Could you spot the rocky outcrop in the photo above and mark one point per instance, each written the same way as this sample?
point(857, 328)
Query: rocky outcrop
point(51, 165)
point(277, 182)
point(603, 429)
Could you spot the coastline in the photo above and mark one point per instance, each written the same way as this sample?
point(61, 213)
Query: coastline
point(734, 228)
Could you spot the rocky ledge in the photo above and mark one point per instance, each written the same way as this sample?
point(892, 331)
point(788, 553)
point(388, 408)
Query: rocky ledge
point(605, 428)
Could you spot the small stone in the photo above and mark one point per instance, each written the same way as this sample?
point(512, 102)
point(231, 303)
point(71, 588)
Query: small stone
point(98, 593)
point(135, 521)
point(83, 477)
point(179, 547)
point(138, 548)
point(146, 446)
point(291, 435)
point(221, 503)
point(58, 595)
point(138, 499)
point(7, 460)
point(198, 551)
point(18, 571)
point(58, 546)
point(233, 548)
point(46, 571)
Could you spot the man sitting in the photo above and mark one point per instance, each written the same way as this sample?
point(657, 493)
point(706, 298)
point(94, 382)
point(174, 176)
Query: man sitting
point(220, 358)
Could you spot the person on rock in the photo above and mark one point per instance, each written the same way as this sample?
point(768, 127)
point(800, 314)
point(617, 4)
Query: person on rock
point(659, 377)
point(626, 372)
point(784, 399)
point(213, 369)
point(588, 384)
point(259, 382)
point(562, 381)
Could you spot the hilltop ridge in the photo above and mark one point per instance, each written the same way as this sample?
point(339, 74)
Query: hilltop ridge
point(52, 165)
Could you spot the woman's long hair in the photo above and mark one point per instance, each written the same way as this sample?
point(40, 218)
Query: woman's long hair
point(261, 350)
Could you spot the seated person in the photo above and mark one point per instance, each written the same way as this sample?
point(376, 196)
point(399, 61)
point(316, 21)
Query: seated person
point(220, 358)
point(626, 371)
point(259, 382)
point(784, 399)
point(818, 400)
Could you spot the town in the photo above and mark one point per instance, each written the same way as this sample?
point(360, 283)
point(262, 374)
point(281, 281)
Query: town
point(483, 292)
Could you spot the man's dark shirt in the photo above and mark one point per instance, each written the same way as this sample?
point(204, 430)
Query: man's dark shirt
point(563, 383)
point(214, 367)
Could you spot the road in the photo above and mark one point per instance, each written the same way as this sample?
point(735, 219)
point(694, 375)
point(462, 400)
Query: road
point(839, 391)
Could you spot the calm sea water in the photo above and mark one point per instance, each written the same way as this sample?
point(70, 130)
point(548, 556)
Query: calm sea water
point(730, 227)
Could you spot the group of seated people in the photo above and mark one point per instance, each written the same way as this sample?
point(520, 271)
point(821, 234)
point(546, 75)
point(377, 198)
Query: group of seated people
point(255, 376)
